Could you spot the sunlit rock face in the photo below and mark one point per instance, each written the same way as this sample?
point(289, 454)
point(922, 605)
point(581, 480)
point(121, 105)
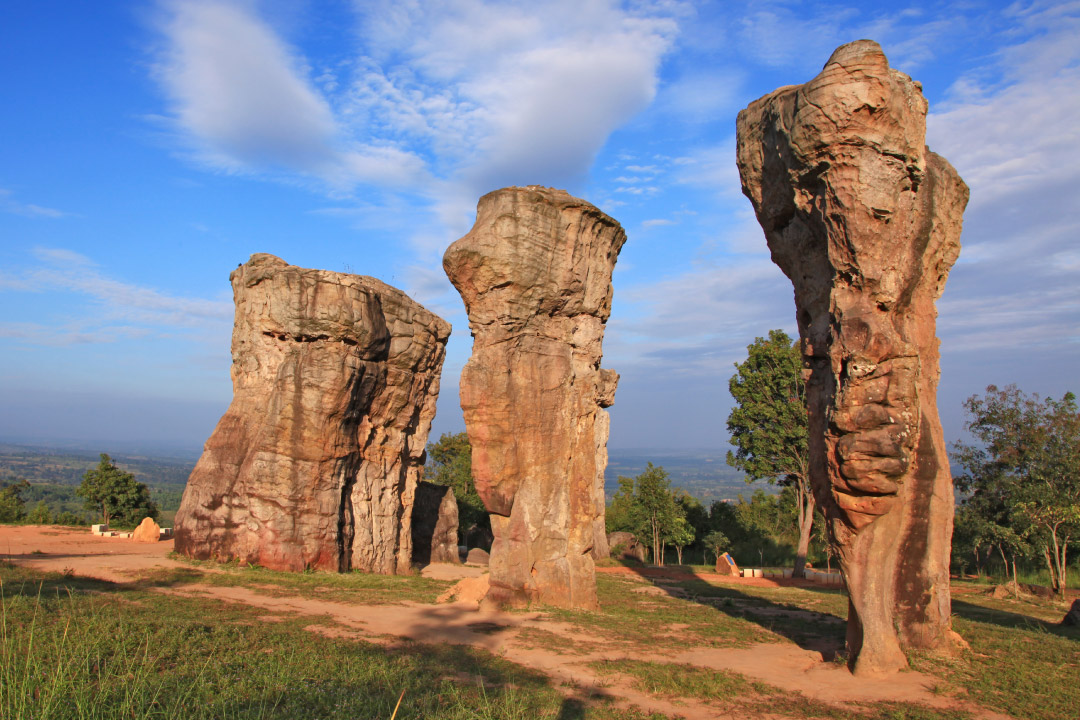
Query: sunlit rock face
point(535, 275)
point(316, 461)
point(865, 221)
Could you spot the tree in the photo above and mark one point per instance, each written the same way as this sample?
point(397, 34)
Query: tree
point(40, 515)
point(622, 515)
point(450, 463)
point(12, 505)
point(116, 493)
point(68, 518)
point(659, 513)
point(681, 535)
point(645, 506)
point(696, 519)
point(1024, 478)
point(717, 542)
point(768, 426)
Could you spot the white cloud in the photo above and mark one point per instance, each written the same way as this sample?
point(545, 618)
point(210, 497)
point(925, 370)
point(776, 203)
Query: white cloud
point(1022, 137)
point(445, 102)
point(509, 92)
point(116, 309)
point(242, 98)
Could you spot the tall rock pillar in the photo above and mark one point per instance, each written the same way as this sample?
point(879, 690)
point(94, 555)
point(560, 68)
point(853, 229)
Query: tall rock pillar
point(316, 461)
point(865, 221)
point(535, 275)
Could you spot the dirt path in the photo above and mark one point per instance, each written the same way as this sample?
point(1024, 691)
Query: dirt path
point(58, 549)
point(506, 634)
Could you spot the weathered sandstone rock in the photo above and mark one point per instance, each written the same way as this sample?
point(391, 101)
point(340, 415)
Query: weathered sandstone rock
point(148, 531)
point(535, 275)
point(624, 546)
point(865, 221)
point(434, 525)
point(478, 556)
point(316, 461)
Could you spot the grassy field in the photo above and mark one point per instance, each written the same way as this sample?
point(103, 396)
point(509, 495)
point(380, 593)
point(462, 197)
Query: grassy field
point(76, 648)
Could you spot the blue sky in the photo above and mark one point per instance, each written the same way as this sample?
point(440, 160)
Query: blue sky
point(150, 147)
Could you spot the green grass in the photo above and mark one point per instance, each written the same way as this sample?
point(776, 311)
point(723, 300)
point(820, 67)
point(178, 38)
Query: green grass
point(73, 647)
point(671, 680)
point(633, 618)
point(676, 680)
point(135, 653)
point(1021, 661)
point(356, 587)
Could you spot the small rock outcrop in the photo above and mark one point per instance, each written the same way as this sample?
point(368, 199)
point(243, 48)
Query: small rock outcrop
point(535, 275)
point(147, 532)
point(624, 546)
point(316, 461)
point(478, 556)
point(434, 525)
point(865, 221)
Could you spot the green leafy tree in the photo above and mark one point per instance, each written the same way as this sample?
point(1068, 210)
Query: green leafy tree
point(12, 505)
point(680, 535)
point(116, 493)
point(717, 542)
point(1024, 476)
point(40, 515)
point(623, 515)
point(68, 518)
point(450, 463)
point(657, 512)
point(694, 511)
point(768, 426)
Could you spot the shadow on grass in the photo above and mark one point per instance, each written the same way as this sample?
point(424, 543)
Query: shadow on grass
point(810, 630)
point(1008, 619)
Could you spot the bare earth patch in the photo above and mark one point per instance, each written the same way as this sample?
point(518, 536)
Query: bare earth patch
point(532, 639)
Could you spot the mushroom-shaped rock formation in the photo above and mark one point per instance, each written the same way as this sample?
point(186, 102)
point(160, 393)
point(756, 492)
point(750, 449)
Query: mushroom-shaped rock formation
point(316, 461)
point(535, 275)
point(865, 221)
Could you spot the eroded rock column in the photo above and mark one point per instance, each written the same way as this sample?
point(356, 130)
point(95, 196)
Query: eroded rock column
point(535, 275)
point(865, 221)
point(316, 461)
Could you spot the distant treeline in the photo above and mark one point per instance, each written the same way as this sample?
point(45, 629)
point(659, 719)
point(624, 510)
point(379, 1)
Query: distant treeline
point(53, 477)
point(41, 465)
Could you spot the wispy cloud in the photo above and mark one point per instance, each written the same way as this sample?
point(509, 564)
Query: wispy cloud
point(1011, 132)
point(657, 222)
point(701, 321)
point(9, 204)
point(114, 309)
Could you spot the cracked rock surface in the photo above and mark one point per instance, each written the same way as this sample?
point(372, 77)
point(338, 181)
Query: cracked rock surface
point(316, 461)
point(866, 221)
point(535, 275)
